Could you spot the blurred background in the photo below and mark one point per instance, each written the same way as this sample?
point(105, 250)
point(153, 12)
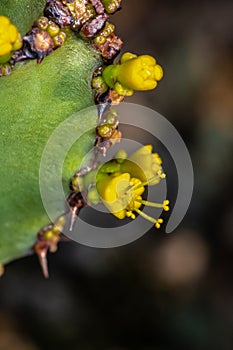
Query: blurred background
point(162, 291)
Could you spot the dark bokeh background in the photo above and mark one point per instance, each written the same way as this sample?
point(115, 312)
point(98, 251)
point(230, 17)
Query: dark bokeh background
point(162, 291)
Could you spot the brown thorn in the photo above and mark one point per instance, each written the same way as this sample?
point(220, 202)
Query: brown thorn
point(73, 218)
point(1, 270)
point(42, 256)
point(41, 249)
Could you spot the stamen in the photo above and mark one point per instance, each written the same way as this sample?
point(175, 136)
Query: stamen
point(142, 184)
point(151, 204)
point(158, 223)
point(130, 214)
point(163, 205)
point(145, 216)
point(161, 174)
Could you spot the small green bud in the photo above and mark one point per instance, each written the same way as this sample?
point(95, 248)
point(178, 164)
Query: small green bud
point(93, 196)
point(99, 85)
point(99, 40)
point(90, 178)
point(59, 39)
point(120, 156)
point(105, 130)
point(42, 23)
point(53, 29)
point(121, 90)
point(111, 6)
point(108, 29)
point(48, 234)
point(109, 168)
point(77, 183)
point(5, 69)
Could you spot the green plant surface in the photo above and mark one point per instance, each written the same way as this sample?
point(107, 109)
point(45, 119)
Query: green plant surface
point(22, 12)
point(34, 100)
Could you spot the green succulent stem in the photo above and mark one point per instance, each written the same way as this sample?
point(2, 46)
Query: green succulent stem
point(35, 99)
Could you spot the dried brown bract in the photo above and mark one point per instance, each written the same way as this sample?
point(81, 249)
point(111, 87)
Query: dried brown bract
point(58, 13)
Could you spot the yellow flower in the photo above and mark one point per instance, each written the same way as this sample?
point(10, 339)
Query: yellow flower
point(133, 73)
point(139, 73)
point(10, 39)
point(122, 195)
point(120, 183)
point(145, 165)
point(117, 193)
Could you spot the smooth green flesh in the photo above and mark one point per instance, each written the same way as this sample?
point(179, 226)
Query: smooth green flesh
point(34, 100)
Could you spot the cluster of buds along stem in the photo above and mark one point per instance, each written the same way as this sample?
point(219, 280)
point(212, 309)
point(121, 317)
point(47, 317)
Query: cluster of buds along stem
point(107, 133)
point(89, 19)
point(43, 38)
point(47, 240)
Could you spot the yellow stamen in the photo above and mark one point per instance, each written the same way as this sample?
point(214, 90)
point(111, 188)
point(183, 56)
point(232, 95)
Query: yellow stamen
point(130, 214)
point(158, 223)
point(143, 184)
point(165, 205)
point(146, 216)
point(151, 204)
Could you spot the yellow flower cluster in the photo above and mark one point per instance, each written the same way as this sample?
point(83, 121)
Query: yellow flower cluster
point(145, 165)
point(121, 190)
point(10, 39)
point(133, 73)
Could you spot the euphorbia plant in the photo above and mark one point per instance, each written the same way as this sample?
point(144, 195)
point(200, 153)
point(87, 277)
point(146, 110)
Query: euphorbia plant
point(56, 58)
